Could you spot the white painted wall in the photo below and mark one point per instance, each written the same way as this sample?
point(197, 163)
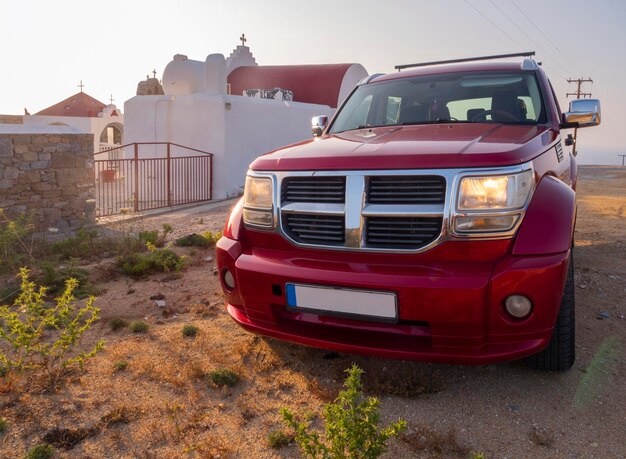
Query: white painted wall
point(236, 129)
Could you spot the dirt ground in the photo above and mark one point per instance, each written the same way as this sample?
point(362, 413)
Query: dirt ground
point(162, 405)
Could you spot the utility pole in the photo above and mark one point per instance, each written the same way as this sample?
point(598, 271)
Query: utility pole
point(623, 157)
point(578, 93)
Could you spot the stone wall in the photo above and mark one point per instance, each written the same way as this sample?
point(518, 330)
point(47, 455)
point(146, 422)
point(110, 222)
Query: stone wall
point(50, 174)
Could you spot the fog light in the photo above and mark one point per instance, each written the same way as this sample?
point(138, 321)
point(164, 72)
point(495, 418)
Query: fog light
point(229, 279)
point(518, 306)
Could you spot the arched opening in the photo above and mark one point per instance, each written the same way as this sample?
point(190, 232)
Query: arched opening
point(112, 134)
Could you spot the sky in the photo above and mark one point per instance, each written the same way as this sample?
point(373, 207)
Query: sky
point(48, 47)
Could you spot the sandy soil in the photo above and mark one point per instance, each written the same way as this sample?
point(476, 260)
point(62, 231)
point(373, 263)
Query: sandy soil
point(163, 406)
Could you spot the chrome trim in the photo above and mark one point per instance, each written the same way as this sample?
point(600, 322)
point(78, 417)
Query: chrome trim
point(355, 209)
point(403, 210)
point(314, 208)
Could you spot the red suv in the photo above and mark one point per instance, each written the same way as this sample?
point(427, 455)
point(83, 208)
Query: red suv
point(432, 219)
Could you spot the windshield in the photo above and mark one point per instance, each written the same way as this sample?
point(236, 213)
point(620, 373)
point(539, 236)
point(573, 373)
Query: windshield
point(471, 97)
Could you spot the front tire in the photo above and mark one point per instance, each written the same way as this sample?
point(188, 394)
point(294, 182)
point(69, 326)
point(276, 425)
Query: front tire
point(561, 352)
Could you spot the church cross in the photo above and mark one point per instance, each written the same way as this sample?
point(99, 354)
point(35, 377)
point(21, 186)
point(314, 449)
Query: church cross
point(81, 86)
point(111, 99)
point(243, 39)
point(154, 74)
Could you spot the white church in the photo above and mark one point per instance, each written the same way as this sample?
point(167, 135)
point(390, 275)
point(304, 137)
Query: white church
point(236, 109)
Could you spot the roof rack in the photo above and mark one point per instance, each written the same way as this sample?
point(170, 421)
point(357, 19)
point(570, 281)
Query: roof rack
point(467, 59)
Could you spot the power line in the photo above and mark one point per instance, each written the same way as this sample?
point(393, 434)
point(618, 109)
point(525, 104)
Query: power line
point(546, 37)
point(530, 38)
point(494, 24)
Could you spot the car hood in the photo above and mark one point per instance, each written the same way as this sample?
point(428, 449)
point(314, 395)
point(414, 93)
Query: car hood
point(414, 147)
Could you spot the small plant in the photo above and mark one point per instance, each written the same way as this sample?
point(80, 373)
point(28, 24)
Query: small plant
point(118, 324)
point(224, 377)
point(39, 336)
point(189, 330)
point(156, 260)
point(351, 425)
point(138, 326)
point(120, 365)
point(277, 439)
point(212, 237)
point(43, 451)
point(3, 425)
point(192, 240)
point(16, 241)
point(56, 278)
point(84, 244)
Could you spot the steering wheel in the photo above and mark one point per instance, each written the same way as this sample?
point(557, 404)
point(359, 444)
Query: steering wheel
point(497, 112)
point(448, 118)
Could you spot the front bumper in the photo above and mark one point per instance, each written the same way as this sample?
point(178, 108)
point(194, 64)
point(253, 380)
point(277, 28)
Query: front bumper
point(451, 307)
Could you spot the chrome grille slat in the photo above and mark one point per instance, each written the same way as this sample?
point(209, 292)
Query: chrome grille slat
point(401, 232)
point(415, 189)
point(315, 228)
point(314, 189)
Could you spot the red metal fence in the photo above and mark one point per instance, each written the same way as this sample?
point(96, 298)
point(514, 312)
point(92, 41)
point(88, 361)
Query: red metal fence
point(151, 175)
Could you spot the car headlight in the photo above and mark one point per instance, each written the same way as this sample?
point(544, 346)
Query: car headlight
point(258, 209)
point(503, 192)
point(487, 203)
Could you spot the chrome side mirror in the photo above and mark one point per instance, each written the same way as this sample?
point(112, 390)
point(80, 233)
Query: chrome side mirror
point(318, 124)
point(585, 112)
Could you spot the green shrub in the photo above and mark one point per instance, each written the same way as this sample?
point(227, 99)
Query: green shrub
point(120, 365)
point(192, 240)
point(3, 425)
point(139, 326)
point(84, 244)
point(277, 439)
point(117, 324)
point(155, 237)
point(42, 451)
point(212, 237)
point(156, 260)
point(41, 337)
point(189, 330)
point(16, 241)
point(223, 377)
point(150, 236)
point(350, 425)
point(55, 279)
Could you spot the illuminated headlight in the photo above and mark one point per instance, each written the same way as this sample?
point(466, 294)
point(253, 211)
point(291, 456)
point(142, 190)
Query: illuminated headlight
point(258, 207)
point(486, 203)
point(504, 192)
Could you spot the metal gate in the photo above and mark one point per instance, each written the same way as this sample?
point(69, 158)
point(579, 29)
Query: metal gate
point(151, 175)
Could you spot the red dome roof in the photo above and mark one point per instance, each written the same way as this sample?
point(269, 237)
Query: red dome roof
point(80, 104)
point(313, 84)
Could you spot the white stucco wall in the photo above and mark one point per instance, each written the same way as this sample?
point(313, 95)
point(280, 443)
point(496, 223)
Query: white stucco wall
point(236, 129)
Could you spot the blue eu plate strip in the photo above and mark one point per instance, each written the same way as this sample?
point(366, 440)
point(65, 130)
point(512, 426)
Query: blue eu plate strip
point(291, 295)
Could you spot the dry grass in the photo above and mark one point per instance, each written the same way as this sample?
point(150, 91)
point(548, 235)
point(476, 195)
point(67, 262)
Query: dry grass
point(436, 444)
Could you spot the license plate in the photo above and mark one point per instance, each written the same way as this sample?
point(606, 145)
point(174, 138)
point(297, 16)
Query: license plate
point(343, 301)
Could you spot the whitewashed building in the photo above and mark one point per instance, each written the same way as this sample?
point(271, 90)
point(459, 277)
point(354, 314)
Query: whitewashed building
point(86, 114)
point(236, 109)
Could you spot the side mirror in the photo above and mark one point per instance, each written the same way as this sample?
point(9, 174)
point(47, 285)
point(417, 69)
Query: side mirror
point(318, 124)
point(583, 113)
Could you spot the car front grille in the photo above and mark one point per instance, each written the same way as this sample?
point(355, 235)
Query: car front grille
point(369, 212)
